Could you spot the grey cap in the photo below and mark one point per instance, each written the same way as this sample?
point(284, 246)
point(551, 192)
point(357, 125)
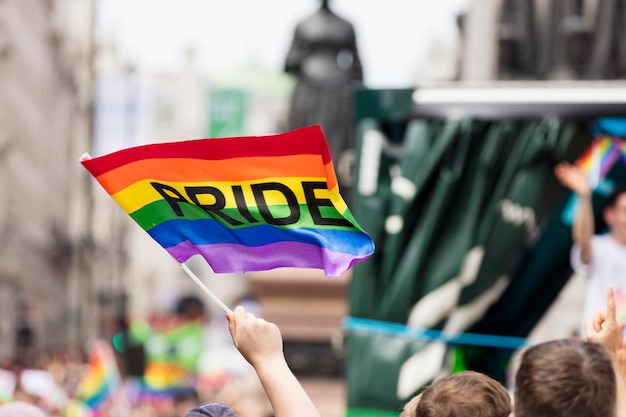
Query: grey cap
point(21, 409)
point(211, 410)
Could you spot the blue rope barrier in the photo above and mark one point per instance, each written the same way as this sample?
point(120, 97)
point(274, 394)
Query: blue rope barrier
point(356, 324)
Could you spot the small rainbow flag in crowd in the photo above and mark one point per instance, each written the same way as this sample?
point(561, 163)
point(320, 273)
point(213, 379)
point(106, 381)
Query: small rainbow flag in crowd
point(101, 378)
point(596, 161)
point(242, 203)
point(601, 155)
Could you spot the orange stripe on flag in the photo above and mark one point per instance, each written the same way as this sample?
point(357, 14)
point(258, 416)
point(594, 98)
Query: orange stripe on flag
point(198, 170)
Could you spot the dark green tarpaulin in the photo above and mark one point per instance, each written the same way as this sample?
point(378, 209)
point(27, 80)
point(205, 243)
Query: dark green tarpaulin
point(461, 212)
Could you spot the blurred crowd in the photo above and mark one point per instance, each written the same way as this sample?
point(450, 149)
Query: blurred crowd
point(161, 366)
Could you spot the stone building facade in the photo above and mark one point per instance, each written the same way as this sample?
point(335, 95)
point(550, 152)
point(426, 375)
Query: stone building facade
point(45, 124)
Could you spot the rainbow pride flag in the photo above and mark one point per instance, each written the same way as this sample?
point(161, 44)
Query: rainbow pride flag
point(101, 378)
point(596, 161)
point(242, 203)
point(601, 155)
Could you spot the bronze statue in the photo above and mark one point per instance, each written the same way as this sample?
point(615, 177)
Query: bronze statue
point(324, 59)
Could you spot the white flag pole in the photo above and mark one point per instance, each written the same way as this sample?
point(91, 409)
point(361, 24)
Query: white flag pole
point(206, 289)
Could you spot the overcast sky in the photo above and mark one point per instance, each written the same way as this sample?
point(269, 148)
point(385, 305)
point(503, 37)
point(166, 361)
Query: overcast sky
point(392, 35)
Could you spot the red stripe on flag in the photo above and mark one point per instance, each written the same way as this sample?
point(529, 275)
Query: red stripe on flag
point(307, 140)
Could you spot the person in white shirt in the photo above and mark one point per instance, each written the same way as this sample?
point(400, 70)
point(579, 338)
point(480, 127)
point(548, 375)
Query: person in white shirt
point(600, 258)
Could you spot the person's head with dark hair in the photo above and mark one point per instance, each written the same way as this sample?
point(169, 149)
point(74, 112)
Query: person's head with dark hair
point(185, 399)
point(611, 200)
point(465, 394)
point(186, 394)
point(211, 410)
point(190, 308)
point(568, 378)
point(615, 213)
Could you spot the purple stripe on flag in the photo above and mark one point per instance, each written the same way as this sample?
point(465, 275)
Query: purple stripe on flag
point(609, 160)
point(229, 257)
